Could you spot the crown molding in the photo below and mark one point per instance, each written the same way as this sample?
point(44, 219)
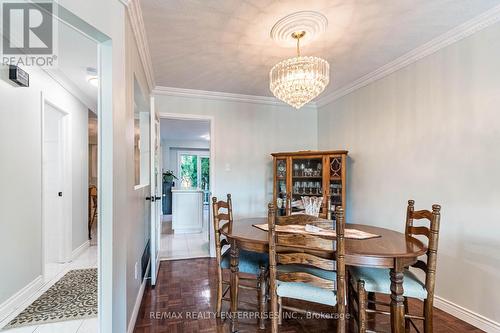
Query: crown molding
point(454, 35)
point(139, 30)
point(73, 89)
point(222, 96)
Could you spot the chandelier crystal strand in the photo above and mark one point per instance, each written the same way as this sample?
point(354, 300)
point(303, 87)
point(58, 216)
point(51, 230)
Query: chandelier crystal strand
point(296, 81)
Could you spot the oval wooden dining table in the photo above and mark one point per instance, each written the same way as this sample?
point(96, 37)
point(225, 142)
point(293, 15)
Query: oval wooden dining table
point(393, 250)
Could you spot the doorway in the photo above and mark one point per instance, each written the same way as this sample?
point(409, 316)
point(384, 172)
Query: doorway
point(186, 147)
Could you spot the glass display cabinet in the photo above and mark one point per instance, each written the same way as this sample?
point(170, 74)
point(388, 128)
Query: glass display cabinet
point(309, 173)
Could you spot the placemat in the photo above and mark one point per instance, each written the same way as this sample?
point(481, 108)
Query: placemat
point(301, 229)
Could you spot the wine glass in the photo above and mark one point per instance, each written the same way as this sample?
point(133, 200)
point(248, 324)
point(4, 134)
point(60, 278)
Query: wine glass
point(311, 186)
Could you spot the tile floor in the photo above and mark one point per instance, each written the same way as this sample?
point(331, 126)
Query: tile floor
point(184, 246)
point(87, 259)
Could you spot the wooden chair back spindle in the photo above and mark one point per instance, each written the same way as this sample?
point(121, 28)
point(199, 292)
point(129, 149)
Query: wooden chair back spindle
point(220, 218)
point(432, 235)
point(341, 270)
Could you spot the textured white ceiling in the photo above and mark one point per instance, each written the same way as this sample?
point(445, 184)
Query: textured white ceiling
point(224, 45)
point(184, 130)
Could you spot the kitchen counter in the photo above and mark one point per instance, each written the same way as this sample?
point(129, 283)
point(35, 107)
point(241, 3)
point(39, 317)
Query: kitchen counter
point(187, 210)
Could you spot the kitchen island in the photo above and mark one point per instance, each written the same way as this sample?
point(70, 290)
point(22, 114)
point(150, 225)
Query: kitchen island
point(187, 210)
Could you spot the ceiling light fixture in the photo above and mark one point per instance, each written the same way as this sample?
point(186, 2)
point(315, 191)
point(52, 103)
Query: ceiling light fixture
point(92, 77)
point(296, 81)
point(93, 80)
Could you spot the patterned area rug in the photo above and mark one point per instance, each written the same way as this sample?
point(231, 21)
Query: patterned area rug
point(73, 297)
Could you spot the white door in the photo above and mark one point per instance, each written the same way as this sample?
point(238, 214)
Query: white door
point(54, 171)
point(156, 193)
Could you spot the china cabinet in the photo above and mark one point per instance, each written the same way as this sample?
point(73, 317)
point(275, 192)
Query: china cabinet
point(309, 173)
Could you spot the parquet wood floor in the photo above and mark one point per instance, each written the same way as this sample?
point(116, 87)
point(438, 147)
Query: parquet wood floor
point(185, 296)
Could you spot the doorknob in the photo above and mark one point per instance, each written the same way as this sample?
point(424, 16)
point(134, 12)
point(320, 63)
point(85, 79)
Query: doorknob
point(158, 198)
point(151, 198)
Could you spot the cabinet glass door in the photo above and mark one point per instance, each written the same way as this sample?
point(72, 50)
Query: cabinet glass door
point(307, 180)
point(281, 192)
point(335, 190)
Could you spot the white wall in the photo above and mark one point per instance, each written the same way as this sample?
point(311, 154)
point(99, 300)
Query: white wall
point(21, 177)
point(431, 132)
point(136, 225)
point(245, 136)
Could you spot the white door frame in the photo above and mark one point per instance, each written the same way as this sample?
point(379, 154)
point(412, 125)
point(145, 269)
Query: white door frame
point(105, 162)
point(65, 233)
point(156, 186)
point(211, 120)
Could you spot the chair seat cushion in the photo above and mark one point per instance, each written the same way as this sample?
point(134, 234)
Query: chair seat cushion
point(306, 291)
point(249, 262)
point(378, 280)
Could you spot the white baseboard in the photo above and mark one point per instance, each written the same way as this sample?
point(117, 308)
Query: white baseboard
point(467, 315)
point(16, 300)
point(79, 250)
point(138, 302)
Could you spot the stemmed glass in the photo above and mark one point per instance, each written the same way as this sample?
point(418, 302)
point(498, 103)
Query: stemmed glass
point(318, 188)
point(311, 186)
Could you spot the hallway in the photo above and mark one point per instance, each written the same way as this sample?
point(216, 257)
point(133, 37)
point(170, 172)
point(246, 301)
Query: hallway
point(87, 259)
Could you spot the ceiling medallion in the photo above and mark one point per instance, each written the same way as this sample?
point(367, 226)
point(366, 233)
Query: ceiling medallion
point(313, 23)
point(296, 81)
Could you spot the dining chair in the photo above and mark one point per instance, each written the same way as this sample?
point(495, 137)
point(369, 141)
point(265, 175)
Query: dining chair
point(364, 280)
point(253, 265)
point(92, 206)
point(301, 269)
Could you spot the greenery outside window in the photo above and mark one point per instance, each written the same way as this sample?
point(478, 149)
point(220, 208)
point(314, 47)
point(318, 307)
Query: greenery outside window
point(194, 171)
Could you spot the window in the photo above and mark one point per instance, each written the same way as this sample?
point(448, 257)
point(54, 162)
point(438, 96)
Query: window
point(194, 171)
point(189, 171)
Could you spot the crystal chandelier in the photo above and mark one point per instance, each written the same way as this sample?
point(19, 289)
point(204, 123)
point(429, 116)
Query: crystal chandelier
point(296, 81)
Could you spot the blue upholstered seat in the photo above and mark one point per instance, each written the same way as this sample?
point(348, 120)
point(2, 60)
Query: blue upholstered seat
point(378, 280)
point(306, 291)
point(249, 262)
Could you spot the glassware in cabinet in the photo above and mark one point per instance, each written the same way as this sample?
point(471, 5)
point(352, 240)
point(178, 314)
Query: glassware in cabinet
point(307, 174)
point(280, 186)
